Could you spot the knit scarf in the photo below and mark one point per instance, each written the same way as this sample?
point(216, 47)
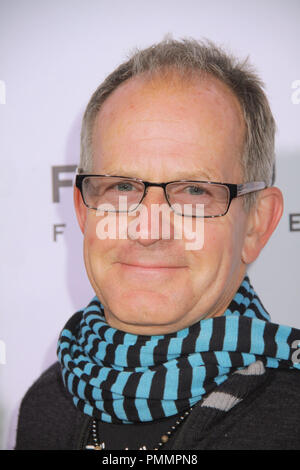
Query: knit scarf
point(118, 377)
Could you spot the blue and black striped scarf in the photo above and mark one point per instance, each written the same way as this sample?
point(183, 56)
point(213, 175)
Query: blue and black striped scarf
point(121, 377)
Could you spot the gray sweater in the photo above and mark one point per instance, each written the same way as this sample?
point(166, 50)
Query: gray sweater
point(250, 411)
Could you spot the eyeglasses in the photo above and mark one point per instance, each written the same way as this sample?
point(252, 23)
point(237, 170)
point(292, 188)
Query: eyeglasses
point(182, 196)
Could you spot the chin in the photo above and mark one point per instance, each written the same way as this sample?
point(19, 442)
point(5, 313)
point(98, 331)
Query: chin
point(142, 309)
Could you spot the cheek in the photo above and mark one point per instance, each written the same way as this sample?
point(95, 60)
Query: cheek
point(217, 236)
point(90, 239)
point(221, 245)
point(224, 238)
point(90, 234)
point(96, 249)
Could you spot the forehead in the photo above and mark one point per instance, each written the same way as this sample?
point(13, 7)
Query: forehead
point(160, 122)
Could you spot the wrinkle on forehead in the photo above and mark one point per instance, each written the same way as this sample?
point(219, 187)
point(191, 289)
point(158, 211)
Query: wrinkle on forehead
point(139, 91)
point(135, 113)
point(174, 84)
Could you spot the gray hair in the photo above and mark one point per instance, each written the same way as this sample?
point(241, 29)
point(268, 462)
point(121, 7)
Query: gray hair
point(187, 58)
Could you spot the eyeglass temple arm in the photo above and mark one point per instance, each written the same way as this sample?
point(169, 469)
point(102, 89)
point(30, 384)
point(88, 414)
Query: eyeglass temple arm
point(78, 172)
point(250, 187)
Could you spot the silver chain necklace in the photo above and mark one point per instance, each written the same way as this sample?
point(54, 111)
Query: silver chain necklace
point(163, 440)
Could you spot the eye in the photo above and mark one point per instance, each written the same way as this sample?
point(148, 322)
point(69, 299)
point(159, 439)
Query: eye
point(120, 186)
point(124, 186)
point(197, 190)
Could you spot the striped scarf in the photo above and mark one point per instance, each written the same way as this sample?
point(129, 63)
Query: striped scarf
point(118, 377)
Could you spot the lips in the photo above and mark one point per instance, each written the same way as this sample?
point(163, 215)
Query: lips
point(145, 272)
point(150, 266)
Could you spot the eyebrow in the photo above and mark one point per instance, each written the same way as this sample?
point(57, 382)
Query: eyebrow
point(200, 174)
point(204, 175)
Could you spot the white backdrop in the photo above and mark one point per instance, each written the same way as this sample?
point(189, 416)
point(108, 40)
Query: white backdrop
point(53, 54)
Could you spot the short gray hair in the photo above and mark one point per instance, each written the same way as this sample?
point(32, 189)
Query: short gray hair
point(188, 57)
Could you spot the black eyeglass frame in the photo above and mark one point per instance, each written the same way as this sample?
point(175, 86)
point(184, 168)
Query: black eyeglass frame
point(235, 190)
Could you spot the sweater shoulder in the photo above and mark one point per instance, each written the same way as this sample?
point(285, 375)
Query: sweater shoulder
point(285, 386)
point(269, 419)
point(51, 376)
point(48, 385)
point(48, 418)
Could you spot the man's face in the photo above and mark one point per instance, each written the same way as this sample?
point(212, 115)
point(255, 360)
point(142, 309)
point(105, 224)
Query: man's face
point(164, 131)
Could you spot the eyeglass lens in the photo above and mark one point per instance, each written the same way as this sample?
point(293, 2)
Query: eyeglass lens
point(183, 197)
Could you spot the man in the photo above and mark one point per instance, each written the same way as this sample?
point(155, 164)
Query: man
point(176, 350)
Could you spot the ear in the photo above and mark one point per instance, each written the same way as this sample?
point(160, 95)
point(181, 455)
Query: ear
point(80, 208)
point(262, 221)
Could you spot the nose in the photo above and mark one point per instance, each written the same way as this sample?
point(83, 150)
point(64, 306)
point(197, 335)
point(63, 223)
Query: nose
point(152, 221)
point(154, 195)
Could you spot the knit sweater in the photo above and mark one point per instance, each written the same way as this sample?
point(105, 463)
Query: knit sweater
point(252, 410)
